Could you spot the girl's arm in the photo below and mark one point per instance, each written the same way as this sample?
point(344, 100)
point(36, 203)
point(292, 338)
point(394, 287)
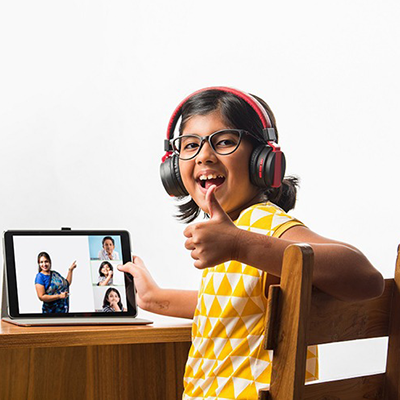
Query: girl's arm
point(150, 297)
point(70, 270)
point(339, 269)
point(41, 293)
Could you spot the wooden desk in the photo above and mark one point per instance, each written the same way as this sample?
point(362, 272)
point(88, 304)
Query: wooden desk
point(93, 362)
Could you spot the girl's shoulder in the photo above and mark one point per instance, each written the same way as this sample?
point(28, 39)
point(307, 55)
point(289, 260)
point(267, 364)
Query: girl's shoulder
point(265, 218)
point(260, 210)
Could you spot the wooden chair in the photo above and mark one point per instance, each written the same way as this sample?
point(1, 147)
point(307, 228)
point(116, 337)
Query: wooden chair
point(299, 315)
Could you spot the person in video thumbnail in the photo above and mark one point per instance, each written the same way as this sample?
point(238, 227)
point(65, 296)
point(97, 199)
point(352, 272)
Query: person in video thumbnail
point(112, 301)
point(106, 273)
point(51, 287)
point(108, 253)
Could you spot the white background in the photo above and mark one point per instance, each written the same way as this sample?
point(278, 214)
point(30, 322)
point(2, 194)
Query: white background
point(87, 88)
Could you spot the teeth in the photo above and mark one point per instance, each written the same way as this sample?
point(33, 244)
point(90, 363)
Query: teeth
point(210, 176)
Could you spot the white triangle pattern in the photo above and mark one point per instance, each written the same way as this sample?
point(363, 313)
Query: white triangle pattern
point(221, 383)
point(239, 304)
point(217, 281)
point(208, 300)
point(257, 366)
point(233, 279)
point(257, 214)
point(240, 384)
point(249, 283)
point(251, 320)
point(223, 301)
point(237, 361)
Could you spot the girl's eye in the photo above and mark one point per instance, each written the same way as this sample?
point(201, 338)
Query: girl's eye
point(226, 143)
point(226, 140)
point(190, 146)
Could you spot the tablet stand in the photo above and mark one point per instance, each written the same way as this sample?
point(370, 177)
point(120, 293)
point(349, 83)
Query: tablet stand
point(4, 302)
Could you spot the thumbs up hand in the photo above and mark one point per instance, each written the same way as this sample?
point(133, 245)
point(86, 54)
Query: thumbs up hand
point(214, 241)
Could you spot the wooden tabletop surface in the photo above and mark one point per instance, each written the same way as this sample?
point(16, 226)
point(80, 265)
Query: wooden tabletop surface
point(12, 336)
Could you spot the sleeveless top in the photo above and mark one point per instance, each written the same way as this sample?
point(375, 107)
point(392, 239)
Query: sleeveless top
point(227, 359)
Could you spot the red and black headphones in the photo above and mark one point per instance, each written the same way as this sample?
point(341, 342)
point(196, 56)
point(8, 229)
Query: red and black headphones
point(267, 162)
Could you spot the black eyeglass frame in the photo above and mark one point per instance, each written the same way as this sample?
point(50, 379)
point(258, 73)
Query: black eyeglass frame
point(208, 138)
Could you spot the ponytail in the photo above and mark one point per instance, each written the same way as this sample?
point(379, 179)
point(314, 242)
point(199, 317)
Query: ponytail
point(285, 195)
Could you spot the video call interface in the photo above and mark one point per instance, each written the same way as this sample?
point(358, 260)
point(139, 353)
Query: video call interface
point(69, 274)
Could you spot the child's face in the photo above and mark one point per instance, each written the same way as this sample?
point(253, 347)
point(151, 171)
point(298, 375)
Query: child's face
point(108, 246)
point(234, 191)
point(105, 270)
point(113, 297)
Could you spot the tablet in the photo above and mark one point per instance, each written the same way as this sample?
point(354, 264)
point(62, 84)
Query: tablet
point(68, 274)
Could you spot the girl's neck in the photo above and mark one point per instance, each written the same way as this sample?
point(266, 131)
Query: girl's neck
point(258, 198)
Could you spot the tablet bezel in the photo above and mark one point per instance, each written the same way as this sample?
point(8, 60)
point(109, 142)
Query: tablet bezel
point(11, 279)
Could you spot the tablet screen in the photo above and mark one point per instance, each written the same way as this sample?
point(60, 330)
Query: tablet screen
point(68, 273)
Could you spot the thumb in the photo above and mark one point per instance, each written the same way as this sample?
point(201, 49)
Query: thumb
point(214, 208)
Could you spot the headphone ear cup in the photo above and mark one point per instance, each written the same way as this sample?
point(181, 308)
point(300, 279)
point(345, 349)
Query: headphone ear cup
point(263, 162)
point(171, 177)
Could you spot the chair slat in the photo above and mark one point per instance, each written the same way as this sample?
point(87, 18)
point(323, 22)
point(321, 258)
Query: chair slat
point(334, 320)
point(364, 387)
point(289, 362)
point(392, 381)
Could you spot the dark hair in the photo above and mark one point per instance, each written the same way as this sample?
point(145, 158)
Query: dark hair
point(239, 115)
point(43, 254)
point(105, 300)
point(102, 265)
point(107, 238)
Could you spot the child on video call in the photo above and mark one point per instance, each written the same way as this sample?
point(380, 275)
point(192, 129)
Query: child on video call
point(112, 301)
point(227, 163)
point(108, 251)
point(106, 272)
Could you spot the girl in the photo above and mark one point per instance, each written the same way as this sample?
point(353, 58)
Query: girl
point(106, 272)
point(227, 162)
point(112, 301)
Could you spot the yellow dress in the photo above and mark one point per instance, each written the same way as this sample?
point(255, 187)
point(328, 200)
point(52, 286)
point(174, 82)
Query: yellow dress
point(227, 359)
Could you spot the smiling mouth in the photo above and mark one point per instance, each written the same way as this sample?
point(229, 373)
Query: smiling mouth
point(205, 181)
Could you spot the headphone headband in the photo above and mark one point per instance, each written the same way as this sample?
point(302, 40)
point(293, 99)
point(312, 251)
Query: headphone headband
point(249, 99)
point(268, 130)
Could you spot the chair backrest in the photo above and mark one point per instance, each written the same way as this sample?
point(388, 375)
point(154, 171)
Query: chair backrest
point(299, 315)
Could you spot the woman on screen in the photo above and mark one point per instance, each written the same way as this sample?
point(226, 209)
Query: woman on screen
point(108, 253)
point(105, 274)
point(51, 287)
point(112, 301)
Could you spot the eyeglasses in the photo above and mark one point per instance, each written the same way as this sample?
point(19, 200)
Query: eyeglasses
point(223, 142)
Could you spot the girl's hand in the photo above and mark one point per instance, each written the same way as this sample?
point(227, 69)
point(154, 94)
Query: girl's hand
point(114, 305)
point(146, 287)
point(63, 295)
point(214, 241)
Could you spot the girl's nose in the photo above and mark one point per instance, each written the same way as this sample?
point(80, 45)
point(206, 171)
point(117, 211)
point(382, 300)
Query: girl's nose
point(206, 155)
